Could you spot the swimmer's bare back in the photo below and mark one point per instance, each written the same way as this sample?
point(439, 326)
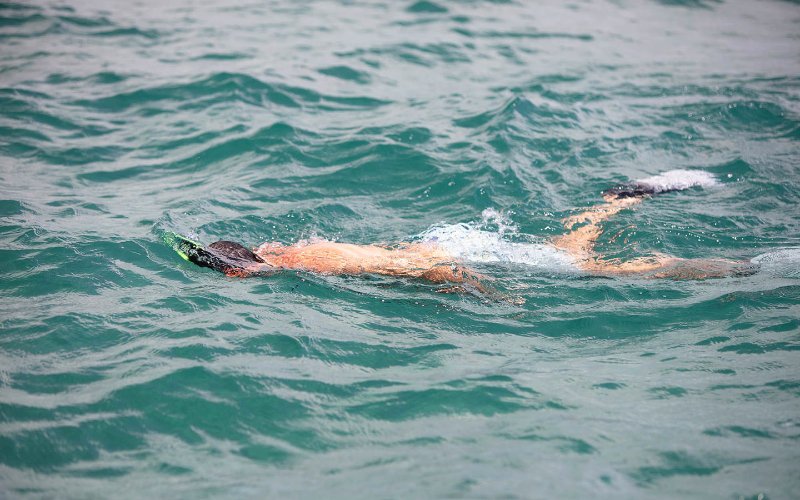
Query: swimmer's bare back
point(416, 260)
point(427, 261)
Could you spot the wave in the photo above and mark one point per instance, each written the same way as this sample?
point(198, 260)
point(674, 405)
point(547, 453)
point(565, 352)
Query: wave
point(225, 88)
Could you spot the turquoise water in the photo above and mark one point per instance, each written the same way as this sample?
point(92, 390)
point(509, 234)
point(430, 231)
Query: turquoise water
point(127, 372)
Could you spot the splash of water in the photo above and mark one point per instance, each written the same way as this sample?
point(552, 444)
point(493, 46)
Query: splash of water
point(676, 180)
point(473, 242)
point(784, 262)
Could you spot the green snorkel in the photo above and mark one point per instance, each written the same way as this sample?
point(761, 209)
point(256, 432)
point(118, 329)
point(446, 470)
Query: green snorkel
point(181, 244)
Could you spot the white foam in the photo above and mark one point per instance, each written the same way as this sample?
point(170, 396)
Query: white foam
point(471, 244)
point(678, 180)
point(784, 262)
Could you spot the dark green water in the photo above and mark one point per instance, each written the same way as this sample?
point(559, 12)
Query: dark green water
point(126, 372)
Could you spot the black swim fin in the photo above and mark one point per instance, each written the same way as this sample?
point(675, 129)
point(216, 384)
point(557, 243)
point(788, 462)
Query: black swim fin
point(633, 190)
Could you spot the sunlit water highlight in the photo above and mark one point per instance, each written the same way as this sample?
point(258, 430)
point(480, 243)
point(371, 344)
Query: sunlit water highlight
point(127, 372)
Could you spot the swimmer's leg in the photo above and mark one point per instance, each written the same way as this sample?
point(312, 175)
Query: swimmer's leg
point(698, 269)
point(580, 242)
point(665, 266)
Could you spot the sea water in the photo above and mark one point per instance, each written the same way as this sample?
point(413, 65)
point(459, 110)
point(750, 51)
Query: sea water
point(126, 372)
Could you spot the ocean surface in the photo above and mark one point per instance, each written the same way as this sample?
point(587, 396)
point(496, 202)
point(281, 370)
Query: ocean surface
point(126, 372)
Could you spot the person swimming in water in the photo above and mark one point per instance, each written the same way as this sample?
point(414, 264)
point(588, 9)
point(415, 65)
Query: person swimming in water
point(432, 262)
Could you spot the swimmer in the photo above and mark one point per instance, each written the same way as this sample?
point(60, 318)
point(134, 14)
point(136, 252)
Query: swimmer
point(432, 262)
point(408, 260)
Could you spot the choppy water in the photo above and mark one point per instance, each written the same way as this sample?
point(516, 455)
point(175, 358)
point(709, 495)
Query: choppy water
point(126, 372)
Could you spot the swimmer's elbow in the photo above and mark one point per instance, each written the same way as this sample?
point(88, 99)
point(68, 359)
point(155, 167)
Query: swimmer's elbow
point(448, 274)
point(454, 274)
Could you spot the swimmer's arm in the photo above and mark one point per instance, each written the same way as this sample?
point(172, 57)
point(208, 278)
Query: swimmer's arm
point(464, 280)
point(452, 273)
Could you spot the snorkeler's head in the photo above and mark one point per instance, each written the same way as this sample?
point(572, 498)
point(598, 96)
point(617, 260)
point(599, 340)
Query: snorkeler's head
point(234, 252)
point(227, 257)
point(234, 259)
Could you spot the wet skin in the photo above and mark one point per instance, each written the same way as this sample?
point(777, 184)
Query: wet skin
point(429, 262)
